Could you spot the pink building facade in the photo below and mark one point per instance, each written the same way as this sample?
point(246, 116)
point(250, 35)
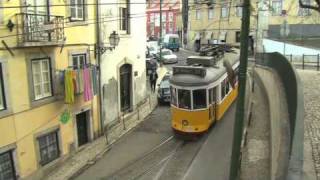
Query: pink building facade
point(170, 13)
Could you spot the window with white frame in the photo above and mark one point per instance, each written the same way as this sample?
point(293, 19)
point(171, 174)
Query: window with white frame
point(239, 11)
point(2, 94)
point(198, 14)
point(77, 10)
point(170, 16)
point(224, 11)
point(304, 11)
point(210, 13)
point(49, 147)
point(79, 61)
point(276, 7)
point(41, 75)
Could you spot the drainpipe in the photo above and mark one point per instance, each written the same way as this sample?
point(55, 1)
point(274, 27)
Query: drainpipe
point(98, 56)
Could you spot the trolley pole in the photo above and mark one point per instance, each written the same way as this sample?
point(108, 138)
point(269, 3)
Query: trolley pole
point(240, 115)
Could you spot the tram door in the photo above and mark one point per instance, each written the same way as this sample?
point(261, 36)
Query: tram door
point(212, 104)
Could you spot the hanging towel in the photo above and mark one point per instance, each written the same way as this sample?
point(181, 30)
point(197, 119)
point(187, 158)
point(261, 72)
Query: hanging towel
point(74, 80)
point(87, 85)
point(69, 88)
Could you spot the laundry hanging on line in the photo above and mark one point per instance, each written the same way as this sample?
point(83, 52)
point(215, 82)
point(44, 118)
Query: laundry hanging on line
point(80, 81)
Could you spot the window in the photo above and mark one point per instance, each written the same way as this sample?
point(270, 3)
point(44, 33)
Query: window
point(7, 170)
point(304, 11)
point(276, 8)
point(224, 11)
point(170, 16)
point(77, 9)
point(239, 11)
point(210, 13)
point(49, 147)
point(2, 95)
point(125, 17)
point(41, 75)
point(238, 36)
point(198, 14)
point(225, 88)
point(173, 96)
point(199, 99)
point(212, 95)
point(79, 61)
point(184, 99)
point(170, 27)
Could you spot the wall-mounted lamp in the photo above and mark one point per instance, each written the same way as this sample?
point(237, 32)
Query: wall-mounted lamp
point(10, 25)
point(113, 40)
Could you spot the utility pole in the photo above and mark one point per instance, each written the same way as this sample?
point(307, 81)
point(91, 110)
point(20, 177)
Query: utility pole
point(160, 55)
point(185, 19)
point(240, 115)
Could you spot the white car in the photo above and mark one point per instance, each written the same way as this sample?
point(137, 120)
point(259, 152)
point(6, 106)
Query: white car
point(167, 56)
point(153, 50)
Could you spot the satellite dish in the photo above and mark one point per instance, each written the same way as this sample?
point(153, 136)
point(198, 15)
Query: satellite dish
point(230, 72)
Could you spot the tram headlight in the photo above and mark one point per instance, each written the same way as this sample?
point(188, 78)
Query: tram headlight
point(185, 122)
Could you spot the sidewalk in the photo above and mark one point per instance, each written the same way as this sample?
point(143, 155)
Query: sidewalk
point(93, 151)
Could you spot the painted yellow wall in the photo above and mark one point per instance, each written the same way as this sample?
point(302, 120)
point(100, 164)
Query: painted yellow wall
point(25, 122)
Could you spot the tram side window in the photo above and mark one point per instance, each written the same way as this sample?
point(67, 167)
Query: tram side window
point(173, 96)
point(199, 99)
point(223, 89)
point(227, 86)
point(184, 97)
point(212, 95)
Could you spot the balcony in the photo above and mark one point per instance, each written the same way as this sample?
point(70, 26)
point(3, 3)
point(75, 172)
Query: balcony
point(39, 30)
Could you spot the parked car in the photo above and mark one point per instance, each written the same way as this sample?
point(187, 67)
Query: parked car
point(167, 56)
point(164, 94)
point(171, 41)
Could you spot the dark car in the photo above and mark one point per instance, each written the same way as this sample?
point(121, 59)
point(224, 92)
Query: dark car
point(164, 94)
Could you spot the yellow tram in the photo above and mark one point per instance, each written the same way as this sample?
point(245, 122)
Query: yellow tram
point(201, 92)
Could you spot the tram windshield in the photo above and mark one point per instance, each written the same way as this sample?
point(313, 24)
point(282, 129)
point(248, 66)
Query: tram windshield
point(184, 97)
point(199, 99)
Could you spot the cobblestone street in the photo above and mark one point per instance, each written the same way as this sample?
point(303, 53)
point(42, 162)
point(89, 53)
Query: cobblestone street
point(311, 81)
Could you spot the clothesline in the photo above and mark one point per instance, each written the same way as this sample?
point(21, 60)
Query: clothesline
point(79, 81)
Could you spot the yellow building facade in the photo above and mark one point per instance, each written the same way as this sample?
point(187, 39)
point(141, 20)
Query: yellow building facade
point(221, 20)
point(40, 39)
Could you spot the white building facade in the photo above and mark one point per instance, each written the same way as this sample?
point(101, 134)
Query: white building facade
point(123, 70)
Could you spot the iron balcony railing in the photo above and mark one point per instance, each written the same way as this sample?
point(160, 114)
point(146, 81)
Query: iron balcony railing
point(38, 29)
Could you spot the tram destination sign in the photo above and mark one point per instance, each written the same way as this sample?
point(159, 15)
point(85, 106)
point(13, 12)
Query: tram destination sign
point(198, 71)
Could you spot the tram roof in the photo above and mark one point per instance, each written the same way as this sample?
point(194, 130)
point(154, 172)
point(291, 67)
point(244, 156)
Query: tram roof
point(212, 73)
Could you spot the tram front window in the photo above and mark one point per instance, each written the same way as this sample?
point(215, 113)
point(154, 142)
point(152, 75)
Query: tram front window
point(199, 99)
point(184, 99)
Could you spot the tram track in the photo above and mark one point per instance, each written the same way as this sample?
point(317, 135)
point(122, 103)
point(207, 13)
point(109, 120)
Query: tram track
point(139, 165)
point(168, 160)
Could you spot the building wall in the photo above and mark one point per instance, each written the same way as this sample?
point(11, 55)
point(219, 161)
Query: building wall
point(217, 27)
point(131, 50)
point(25, 119)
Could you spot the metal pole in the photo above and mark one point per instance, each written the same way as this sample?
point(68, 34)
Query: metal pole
point(160, 55)
point(302, 61)
point(318, 58)
point(240, 115)
point(98, 54)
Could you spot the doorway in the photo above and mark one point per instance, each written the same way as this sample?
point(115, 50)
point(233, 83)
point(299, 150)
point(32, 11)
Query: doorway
point(83, 128)
point(125, 87)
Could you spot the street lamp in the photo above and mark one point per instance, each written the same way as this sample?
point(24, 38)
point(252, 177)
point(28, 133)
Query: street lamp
point(113, 41)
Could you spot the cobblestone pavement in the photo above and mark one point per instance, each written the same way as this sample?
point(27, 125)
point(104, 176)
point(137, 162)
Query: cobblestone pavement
point(311, 81)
